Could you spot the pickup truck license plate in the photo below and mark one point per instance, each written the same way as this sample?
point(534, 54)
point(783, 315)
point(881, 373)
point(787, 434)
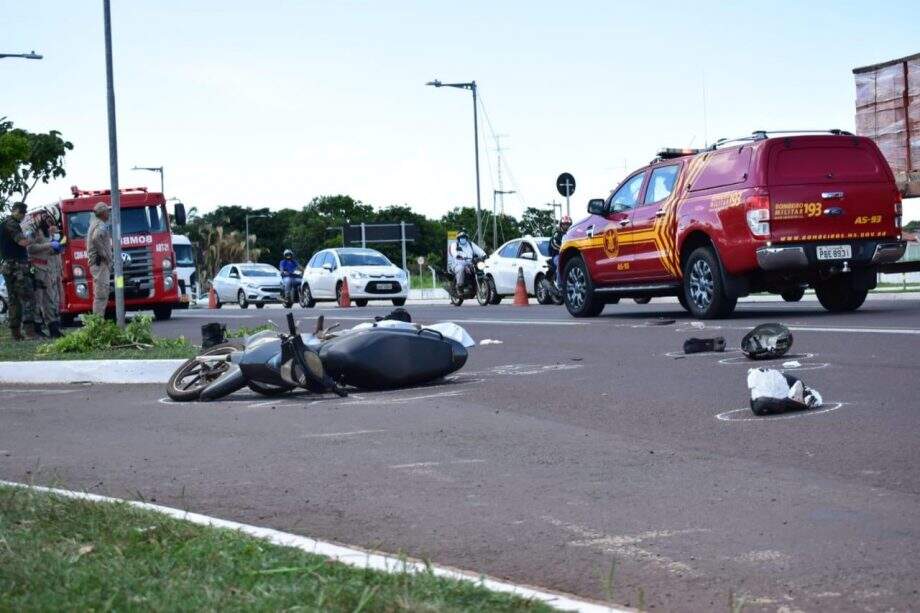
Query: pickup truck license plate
point(835, 252)
point(384, 286)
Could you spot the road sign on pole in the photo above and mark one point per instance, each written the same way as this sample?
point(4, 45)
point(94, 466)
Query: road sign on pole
point(565, 183)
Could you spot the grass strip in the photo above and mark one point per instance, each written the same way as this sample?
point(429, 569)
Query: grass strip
point(60, 553)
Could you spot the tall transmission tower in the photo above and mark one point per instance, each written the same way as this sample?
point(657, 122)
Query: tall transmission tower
point(501, 187)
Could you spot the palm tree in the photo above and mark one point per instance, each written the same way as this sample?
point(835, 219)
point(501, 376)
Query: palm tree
point(220, 248)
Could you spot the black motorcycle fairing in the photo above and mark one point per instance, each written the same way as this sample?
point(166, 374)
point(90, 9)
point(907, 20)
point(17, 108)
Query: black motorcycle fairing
point(382, 358)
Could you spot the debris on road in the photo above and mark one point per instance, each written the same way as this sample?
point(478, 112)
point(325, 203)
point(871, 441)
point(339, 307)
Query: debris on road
point(662, 322)
point(490, 341)
point(792, 364)
point(767, 342)
point(775, 392)
point(701, 345)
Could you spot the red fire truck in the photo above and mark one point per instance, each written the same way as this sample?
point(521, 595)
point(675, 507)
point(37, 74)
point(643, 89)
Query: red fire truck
point(147, 252)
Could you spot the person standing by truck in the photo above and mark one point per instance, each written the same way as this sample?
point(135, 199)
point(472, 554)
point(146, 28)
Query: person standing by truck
point(99, 254)
point(46, 268)
point(15, 266)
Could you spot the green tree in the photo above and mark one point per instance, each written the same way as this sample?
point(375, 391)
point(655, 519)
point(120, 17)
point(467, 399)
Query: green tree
point(27, 159)
point(912, 226)
point(465, 217)
point(537, 222)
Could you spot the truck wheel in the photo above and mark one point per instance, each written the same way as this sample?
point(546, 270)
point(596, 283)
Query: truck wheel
point(241, 300)
point(260, 305)
point(580, 299)
point(838, 296)
point(361, 302)
point(642, 300)
point(683, 300)
point(793, 295)
point(162, 313)
point(703, 289)
point(306, 297)
point(68, 319)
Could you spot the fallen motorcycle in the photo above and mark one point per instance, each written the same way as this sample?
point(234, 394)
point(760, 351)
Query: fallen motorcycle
point(272, 363)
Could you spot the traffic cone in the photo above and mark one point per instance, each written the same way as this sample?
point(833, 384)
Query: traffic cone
point(520, 291)
point(344, 297)
point(212, 299)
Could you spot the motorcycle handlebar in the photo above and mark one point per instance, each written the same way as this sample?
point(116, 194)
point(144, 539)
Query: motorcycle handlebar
point(290, 323)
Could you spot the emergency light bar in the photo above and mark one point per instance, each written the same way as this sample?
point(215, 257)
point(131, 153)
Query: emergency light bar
point(77, 192)
point(670, 153)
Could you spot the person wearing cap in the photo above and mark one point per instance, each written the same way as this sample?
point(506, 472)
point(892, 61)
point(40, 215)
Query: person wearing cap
point(44, 255)
point(16, 273)
point(99, 254)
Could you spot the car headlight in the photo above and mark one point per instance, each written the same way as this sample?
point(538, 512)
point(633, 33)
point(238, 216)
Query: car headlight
point(168, 282)
point(78, 271)
point(250, 284)
point(167, 264)
point(357, 275)
point(81, 290)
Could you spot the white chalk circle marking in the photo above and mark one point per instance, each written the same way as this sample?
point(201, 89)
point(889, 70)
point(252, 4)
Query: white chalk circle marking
point(827, 407)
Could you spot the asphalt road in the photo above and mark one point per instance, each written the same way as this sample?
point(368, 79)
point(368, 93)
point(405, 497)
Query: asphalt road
point(573, 448)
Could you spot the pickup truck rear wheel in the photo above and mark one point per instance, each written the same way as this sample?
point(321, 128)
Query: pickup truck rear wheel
point(838, 296)
point(580, 299)
point(703, 288)
point(794, 294)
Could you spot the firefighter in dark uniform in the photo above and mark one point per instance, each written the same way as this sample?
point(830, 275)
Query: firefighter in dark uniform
point(16, 273)
point(555, 245)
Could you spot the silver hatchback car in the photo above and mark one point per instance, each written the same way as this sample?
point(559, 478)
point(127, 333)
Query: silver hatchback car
point(247, 284)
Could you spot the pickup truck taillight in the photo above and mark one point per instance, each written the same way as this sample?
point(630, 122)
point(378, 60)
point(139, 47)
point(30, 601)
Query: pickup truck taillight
point(898, 211)
point(757, 213)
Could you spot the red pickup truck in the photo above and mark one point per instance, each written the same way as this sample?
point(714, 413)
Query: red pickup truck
point(764, 213)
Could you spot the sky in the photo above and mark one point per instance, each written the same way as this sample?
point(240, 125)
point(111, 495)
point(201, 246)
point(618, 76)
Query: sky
point(271, 103)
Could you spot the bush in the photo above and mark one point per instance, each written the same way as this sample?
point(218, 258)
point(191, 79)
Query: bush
point(98, 334)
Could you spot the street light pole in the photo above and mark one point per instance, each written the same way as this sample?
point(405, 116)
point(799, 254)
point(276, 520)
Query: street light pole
point(113, 169)
point(247, 233)
point(26, 56)
point(158, 169)
point(472, 87)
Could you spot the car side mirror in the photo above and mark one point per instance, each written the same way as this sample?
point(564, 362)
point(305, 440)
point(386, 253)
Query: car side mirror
point(597, 206)
point(530, 255)
point(179, 214)
point(327, 267)
point(233, 275)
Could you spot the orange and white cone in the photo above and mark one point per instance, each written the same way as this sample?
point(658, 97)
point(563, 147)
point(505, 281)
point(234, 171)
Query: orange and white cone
point(520, 290)
point(344, 296)
point(212, 299)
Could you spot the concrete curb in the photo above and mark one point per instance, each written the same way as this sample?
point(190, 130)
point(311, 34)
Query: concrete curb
point(359, 558)
point(88, 371)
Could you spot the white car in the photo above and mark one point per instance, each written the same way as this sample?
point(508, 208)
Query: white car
point(529, 254)
point(371, 276)
point(247, 284)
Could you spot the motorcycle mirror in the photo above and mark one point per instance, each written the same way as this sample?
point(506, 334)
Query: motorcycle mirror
point(291, 325)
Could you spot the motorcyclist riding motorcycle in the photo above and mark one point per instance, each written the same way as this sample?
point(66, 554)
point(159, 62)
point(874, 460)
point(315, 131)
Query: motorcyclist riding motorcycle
point(460, 258)
point(555, 245)
point(288, 266)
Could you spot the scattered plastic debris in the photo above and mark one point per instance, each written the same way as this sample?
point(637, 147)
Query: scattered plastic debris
point(767, 342)
point(698, 325)
point(490, 341)
point(662, 322)
point(775, 392)
point(701, 345)
point(792, 364)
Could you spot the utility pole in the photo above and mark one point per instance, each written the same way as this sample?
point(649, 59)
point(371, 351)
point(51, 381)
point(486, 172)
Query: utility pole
point(119, 274)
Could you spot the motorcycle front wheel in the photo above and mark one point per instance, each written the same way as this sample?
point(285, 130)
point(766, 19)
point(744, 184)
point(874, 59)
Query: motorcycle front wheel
point(186, 383)
point(483, 294)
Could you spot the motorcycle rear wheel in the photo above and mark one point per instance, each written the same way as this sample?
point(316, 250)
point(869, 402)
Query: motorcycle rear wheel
point(192, 376)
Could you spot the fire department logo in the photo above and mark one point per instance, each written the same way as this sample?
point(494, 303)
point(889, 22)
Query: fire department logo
point(611, 243)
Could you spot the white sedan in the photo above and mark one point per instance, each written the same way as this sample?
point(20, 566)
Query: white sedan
point(370, 276)
point(529, 254)
point(248, 284)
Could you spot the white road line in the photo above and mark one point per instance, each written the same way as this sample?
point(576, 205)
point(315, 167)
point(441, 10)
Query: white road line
point(429, 464)
point(855, 330)
point(352, 556)
point(213, 315)
point(332, 434)
point(400, 400)
point(728, 415)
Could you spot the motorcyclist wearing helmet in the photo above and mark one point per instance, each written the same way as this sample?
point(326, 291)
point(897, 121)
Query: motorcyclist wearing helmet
point(288, 266)
point(460, 254)
point(555, 245)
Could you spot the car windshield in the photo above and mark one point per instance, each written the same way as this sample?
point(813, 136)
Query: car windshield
point(184, 255)
point(253, 271)
point(543, 246)
point(363, 259)
point(138, 220)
